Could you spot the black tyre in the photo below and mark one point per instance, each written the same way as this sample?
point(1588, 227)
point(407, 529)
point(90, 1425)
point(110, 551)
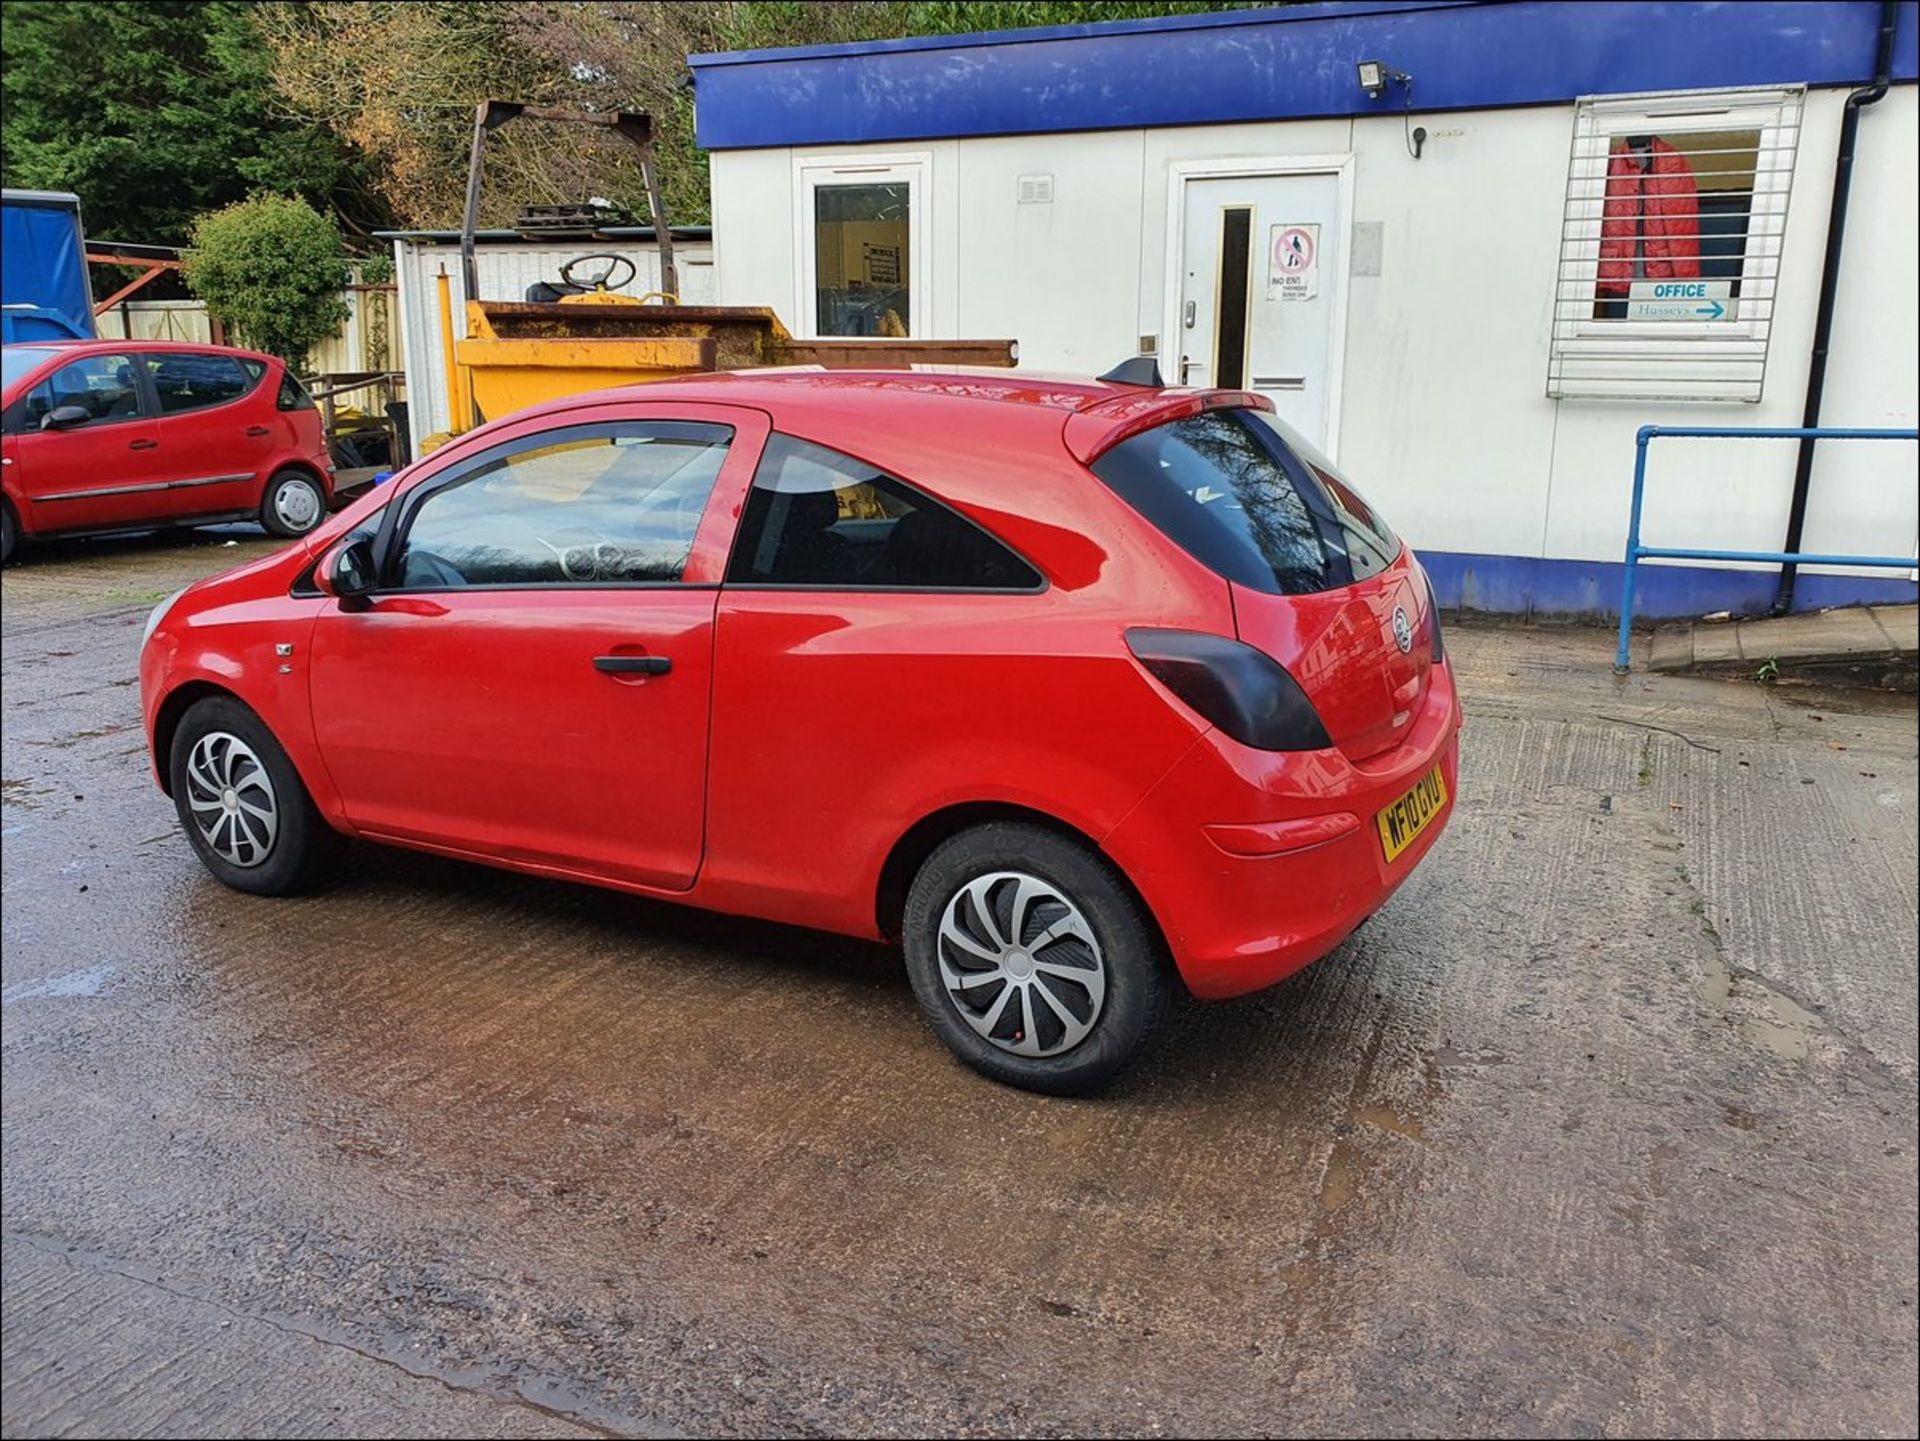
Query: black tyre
point(9, 531)
point(1033, 960)
point(292, 504)
point(244, 806)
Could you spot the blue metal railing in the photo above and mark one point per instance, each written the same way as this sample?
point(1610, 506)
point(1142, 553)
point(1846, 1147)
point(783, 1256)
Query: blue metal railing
point(1637, 552)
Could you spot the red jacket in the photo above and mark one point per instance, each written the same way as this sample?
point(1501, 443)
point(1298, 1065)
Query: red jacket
point(1659, 205)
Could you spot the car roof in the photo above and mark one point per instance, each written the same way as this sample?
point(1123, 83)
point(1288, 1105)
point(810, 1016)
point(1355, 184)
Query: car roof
point(113, 344)
point(1094, 414)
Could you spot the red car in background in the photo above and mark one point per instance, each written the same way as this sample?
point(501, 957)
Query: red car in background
point(105, 435)
point(1085, 691)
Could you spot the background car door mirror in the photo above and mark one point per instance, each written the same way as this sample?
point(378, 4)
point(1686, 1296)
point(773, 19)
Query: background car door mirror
point(346, 574)
point(65, 417)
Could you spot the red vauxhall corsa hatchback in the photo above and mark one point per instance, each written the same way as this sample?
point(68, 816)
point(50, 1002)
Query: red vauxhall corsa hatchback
point(1084, 691)
point(105, 435)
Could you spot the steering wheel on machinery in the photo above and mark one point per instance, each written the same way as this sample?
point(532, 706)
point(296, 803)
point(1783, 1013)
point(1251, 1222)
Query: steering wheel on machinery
point(613, 265)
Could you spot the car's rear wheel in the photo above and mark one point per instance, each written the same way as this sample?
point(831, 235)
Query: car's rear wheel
point(292, 503)
point(9, 530)
point(243, 804)
point(1032, 958)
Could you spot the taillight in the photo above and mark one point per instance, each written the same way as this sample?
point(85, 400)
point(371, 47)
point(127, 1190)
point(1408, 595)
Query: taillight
point(1245, 692)
point(1433, 618)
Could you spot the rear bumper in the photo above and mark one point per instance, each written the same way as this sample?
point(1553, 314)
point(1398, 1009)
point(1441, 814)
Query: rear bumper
point(1257, 864)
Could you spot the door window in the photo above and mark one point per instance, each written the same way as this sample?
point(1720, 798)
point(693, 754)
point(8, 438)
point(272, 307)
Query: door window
point(184, 382)
point(861, 254)
point(818, 519)
point(591, 505)
point(102, 385)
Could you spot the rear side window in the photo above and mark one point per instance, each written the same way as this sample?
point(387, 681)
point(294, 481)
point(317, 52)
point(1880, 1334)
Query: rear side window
point(293, 395)
point(184, 382)
point(817, 518)
point(1236, 490)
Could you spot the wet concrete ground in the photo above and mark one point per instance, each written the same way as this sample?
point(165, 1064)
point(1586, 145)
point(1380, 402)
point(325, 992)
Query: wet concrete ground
point(1606, 1126)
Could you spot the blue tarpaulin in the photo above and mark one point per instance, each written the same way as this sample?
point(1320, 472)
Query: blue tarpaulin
point(43, 268)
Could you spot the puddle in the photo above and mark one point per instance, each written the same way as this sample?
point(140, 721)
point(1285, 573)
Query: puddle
point(1765, 1018)
point(90, 982)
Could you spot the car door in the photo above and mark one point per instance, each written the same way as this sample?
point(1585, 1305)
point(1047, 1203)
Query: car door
point(530, 680)
point(95, 472)
point(213, 444)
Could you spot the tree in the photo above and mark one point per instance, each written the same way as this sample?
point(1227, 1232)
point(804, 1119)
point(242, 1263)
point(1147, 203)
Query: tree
point(399, 79)
point(272, 267)
point(153, 113)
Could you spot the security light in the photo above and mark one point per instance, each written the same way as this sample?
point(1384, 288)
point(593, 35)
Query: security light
point(1375, 75)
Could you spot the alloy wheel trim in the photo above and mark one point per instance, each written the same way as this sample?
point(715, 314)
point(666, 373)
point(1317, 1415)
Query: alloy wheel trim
point(1020, 964)
point(232, 800)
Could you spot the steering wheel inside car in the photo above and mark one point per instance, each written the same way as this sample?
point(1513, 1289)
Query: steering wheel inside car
point(613, 265)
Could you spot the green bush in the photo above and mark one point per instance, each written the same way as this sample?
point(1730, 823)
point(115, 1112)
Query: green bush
point(273, 268)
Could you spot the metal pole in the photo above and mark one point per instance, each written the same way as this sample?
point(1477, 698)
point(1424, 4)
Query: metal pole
point(1623, 657)
point(459, 416)
point(470, 216)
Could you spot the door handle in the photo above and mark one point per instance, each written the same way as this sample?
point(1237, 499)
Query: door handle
point(1188, 317)
point(632, 664)
point(143, 445)
point(259, 430)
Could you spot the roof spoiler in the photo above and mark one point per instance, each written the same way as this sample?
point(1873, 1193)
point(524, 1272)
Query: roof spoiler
point(1141, 370)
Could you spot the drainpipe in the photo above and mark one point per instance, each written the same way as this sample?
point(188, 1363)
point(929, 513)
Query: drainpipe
point(1829, 283)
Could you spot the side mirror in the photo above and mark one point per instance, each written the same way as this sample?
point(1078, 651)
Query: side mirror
point(346, 574)
point(65, 417)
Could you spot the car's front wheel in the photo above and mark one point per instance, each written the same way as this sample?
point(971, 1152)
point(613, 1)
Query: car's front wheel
point(292, 503)
point(244, 806)
point(9, 531)
point(1032, 958)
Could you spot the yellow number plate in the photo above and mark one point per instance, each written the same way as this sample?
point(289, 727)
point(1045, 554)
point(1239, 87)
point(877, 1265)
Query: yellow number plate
point(1402, 821)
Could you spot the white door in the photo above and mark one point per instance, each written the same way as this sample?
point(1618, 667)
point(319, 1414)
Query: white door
point(1260, 291)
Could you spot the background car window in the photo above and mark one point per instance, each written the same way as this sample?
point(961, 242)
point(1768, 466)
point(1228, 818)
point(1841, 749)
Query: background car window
point(606, 504)
point(193, 382)
point(293, 395)
point(101, 385)
point(818, 518)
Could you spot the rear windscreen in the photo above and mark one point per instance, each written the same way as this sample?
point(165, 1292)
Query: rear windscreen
point(1251, 500)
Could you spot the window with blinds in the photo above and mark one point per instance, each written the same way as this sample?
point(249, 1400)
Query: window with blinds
point(1670, 245)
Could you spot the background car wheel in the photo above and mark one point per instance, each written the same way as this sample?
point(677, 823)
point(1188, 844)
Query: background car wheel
point(292, 504)
point(243, 805)
point(9, 531)
point(1032, 958)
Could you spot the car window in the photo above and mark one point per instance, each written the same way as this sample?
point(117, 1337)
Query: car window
point(818, 518)
point(17, 360)
point(609, 504)
point(1251, 500)
point(293, 395)
point(183, 382)
point(1358, 531)
point(101, 385)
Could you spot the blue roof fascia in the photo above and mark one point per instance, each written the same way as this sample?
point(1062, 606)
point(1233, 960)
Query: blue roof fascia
point(1291, 63)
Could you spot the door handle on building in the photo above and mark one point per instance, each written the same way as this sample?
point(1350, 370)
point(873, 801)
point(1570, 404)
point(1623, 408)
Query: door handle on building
point(1187, 317)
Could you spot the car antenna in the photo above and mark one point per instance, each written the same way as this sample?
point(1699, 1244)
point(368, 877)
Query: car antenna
point(1137, 370)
